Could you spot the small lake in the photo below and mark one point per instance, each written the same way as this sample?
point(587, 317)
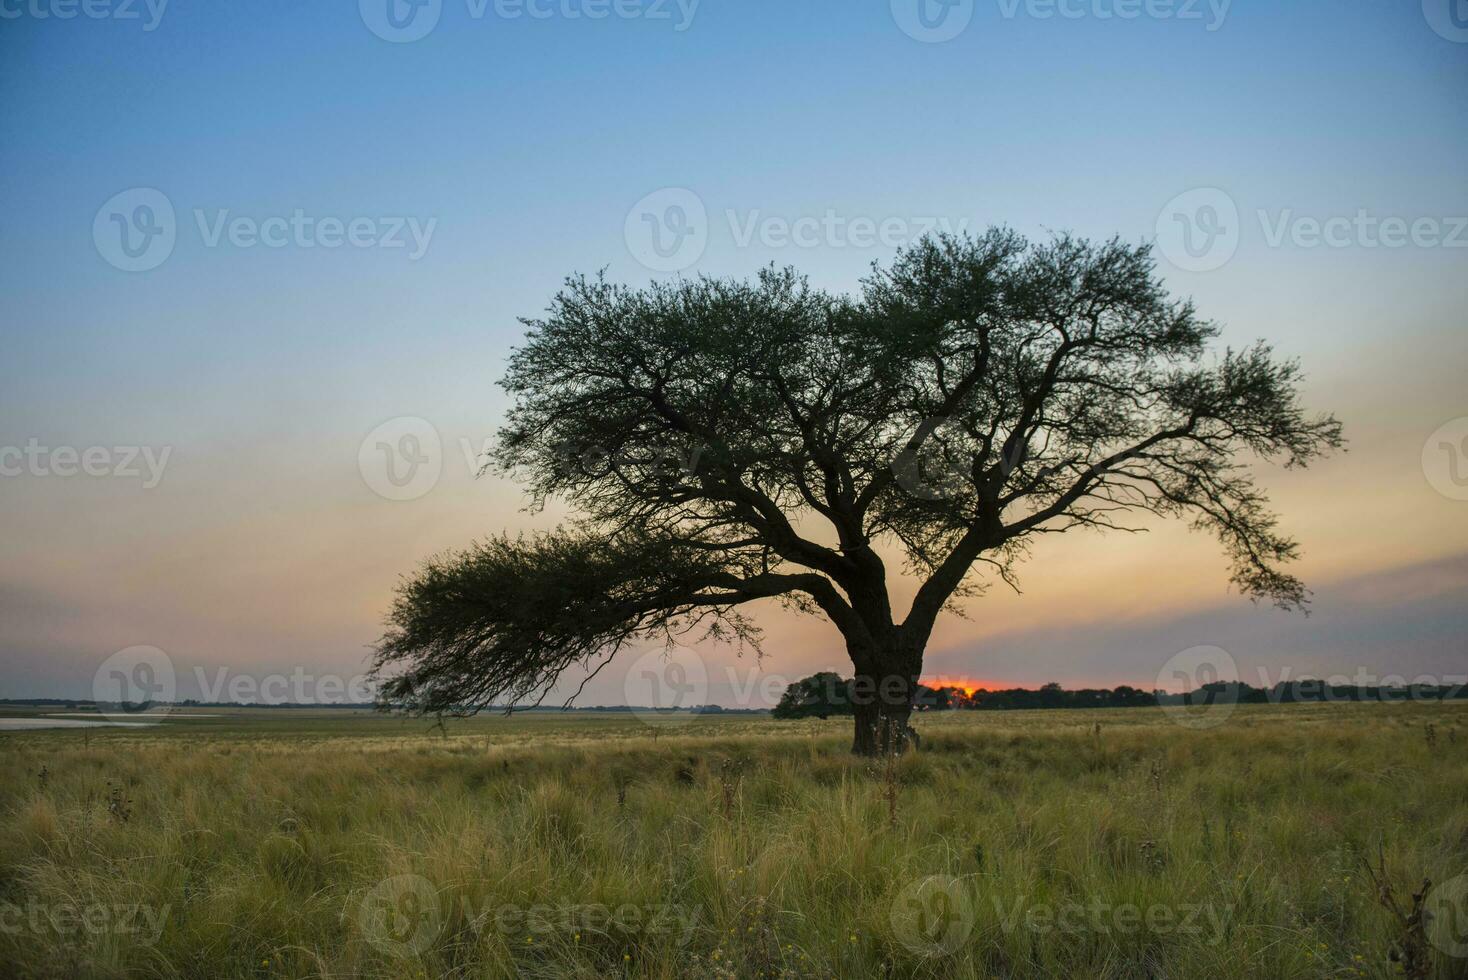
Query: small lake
point(160, 714)
point(19, 724)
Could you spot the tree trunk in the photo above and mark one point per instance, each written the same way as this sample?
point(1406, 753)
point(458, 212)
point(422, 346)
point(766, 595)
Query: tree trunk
point(882, 703)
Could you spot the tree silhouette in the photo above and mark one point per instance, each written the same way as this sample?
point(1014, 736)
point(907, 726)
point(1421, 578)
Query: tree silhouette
point(820, 695)
point(724, 442)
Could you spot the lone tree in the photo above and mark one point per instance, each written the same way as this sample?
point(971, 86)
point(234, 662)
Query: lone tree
point(725, 442)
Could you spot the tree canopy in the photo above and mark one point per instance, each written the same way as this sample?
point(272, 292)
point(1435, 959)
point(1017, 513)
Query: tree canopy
point(726, 441)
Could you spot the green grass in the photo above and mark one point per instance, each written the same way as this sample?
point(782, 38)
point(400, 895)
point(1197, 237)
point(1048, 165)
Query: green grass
point(331, 844)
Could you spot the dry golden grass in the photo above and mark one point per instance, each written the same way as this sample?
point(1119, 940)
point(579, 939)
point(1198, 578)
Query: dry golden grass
point(340, 846)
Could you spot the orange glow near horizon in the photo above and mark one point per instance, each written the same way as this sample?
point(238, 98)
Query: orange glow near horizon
point(964, 684)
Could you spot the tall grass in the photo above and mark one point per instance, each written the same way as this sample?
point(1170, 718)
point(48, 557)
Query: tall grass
point(738, 849)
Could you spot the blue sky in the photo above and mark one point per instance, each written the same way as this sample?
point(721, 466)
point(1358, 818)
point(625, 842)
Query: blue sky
point(525, 141)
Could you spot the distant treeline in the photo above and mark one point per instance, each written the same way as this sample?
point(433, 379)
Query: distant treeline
point(825, 694)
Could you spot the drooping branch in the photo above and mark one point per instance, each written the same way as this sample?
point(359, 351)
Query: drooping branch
point(501, 621)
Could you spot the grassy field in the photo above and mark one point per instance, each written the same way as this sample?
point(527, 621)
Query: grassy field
point(1014, 844)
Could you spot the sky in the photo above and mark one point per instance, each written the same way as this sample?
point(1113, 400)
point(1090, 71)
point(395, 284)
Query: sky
point(242, 245)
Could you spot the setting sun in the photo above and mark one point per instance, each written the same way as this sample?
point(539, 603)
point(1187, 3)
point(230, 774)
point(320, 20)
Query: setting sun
point(962, 683)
